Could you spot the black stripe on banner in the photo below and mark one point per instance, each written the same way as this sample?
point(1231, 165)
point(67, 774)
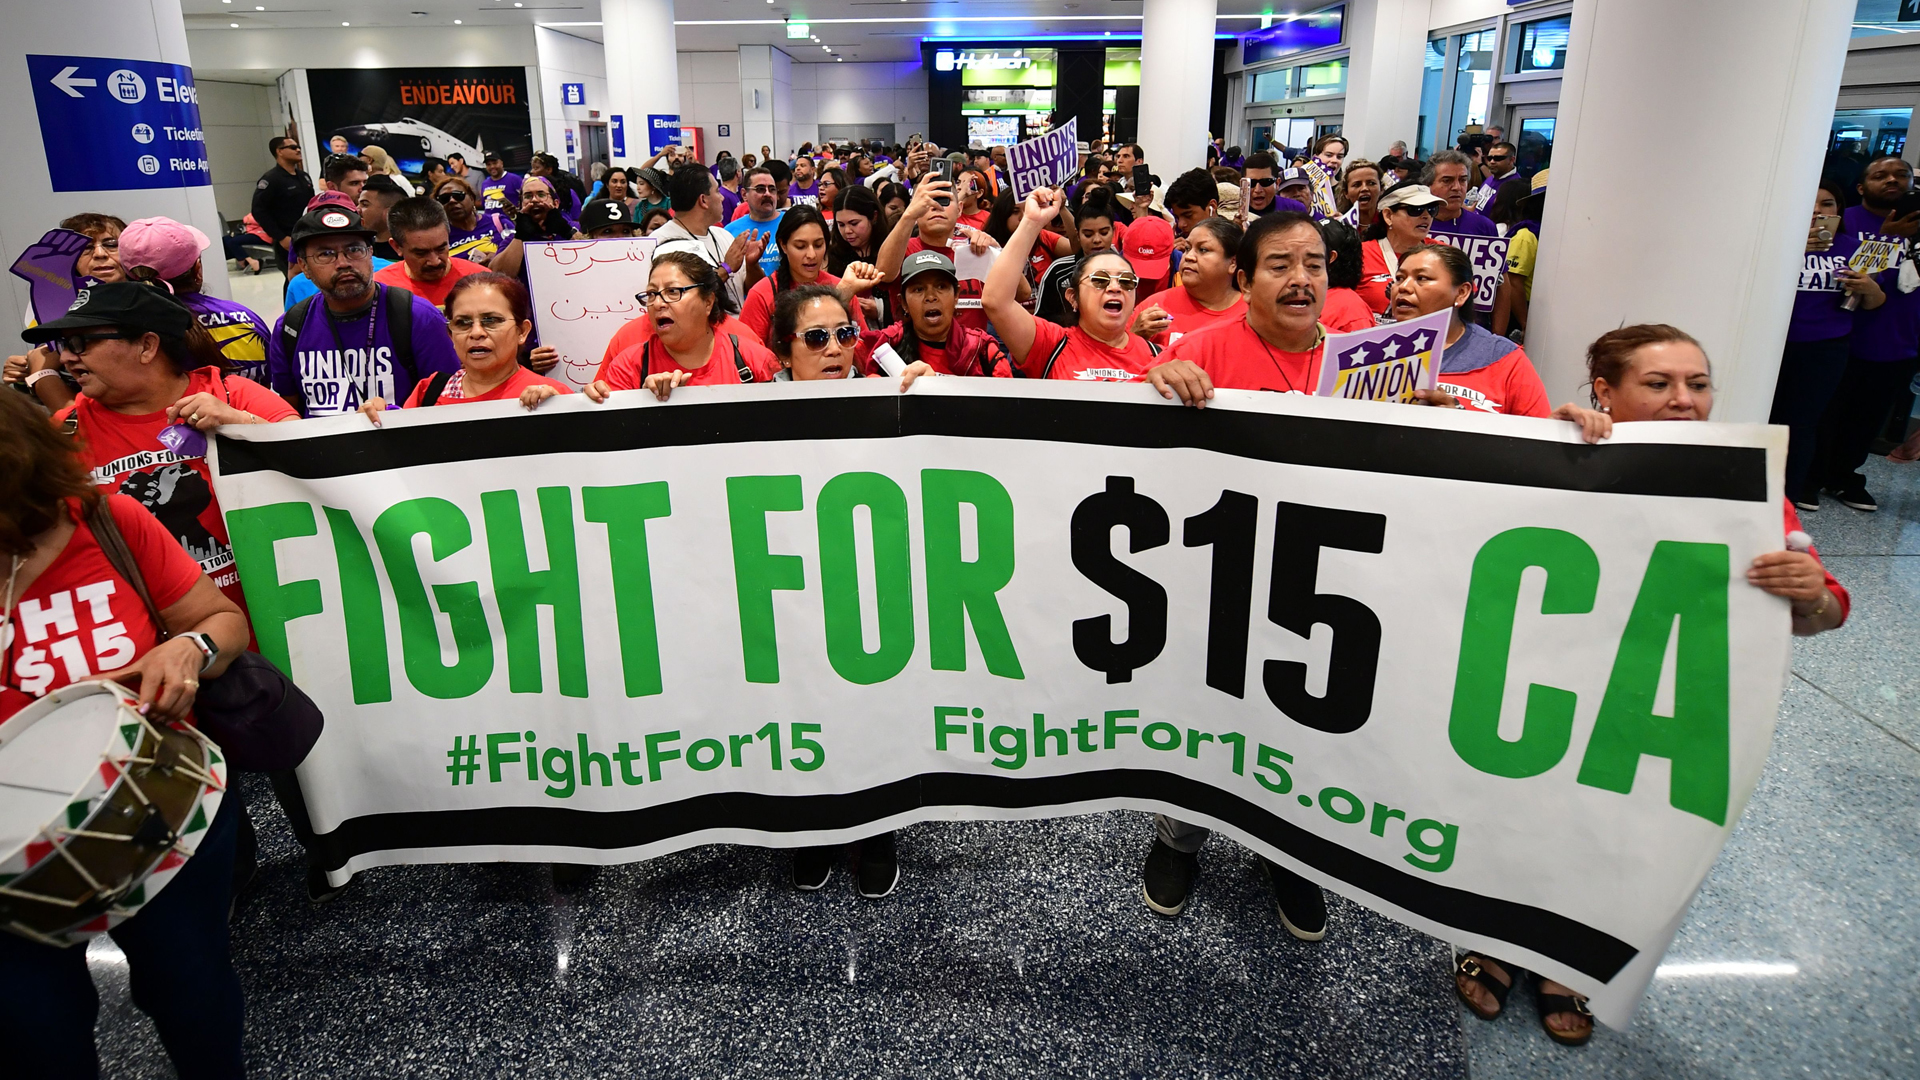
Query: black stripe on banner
point(1709, 472)
point(1575, 944)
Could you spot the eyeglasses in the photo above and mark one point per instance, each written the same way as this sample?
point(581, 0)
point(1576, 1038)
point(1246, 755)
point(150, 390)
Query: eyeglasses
point(763, 189)
point(77, 344)
point(816, 337)
point(1102, 280)
point(329, 256)
point(669, 295)
point(488, 322)
point(450, 197)
point(1264, 181)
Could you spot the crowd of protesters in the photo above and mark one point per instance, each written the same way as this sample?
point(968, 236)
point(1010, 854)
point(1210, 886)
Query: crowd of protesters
point(836, 262)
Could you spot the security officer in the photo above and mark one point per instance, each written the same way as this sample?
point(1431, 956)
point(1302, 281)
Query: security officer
point(281, 195)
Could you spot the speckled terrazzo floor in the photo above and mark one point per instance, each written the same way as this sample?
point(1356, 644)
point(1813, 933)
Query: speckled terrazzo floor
point(1018, 950)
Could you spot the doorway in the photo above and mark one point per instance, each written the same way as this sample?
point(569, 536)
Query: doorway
point(1531, 133)
point(593, 147)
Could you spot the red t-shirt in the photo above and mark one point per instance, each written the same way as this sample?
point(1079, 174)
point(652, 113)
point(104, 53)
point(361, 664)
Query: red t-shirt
point(1236, 358)
point(967, 310)
point(434, 292)
point(1509, 386)
point(1344, 312)
point(126, 455)
point(757, 311)
point(976, 220)
point(1085, 359)
point(719, 370)
point(80, 619)
point(639, 331)
point(506, 391)
point(1042, 255)
point(1376, 281)
point(1189, 316)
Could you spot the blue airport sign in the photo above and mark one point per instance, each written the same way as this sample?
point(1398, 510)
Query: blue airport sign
point(113, 125)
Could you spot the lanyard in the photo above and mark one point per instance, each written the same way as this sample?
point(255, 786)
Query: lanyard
point(373, 320)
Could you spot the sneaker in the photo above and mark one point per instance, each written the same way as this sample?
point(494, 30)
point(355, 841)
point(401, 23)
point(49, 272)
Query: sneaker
point(813, 866)
point(1302, 906)
point(879, 869)
point(319, 889)
point(1807, 504)
point(1167, 878)
point(1854, 495)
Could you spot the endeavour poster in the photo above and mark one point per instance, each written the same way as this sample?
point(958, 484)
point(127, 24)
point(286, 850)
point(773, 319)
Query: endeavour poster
point(1498, 684)
point(417, 113)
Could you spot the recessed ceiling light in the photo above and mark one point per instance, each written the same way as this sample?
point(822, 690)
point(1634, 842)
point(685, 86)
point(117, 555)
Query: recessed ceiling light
point(456, 22)
point(235, 25)
point(346, 24)
point(257, 7)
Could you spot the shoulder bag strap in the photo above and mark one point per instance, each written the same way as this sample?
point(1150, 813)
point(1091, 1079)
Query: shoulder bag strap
point(435, 387)
point(740, 362)
point(106, 533)
point(1047, 372)
point(1393, 260)
point(400, 323)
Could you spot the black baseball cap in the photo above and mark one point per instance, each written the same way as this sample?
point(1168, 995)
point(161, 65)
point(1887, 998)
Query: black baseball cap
point(490, 156)
point(131, 305)
point(327, 221)
point(601, 213)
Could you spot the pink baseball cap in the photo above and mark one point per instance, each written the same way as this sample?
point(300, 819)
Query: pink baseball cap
point(167, 247)
point(332, 198)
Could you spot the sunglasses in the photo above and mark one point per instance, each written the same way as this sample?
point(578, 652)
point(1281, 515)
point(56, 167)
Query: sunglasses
point(1263, 181)
point(816, 337)
point(450, 197)
point(77, 344)
point(1102, 280)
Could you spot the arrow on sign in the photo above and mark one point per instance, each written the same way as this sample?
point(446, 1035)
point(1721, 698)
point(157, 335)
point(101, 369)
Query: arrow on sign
point(67, 82)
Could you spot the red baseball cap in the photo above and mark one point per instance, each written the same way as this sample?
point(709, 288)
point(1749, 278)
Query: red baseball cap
point(1148, 245)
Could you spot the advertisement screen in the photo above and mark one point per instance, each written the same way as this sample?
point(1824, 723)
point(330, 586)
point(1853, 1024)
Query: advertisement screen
point(993, 130)
point(416, 113)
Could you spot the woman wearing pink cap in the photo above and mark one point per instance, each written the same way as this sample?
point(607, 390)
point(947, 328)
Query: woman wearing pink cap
point(164, 250)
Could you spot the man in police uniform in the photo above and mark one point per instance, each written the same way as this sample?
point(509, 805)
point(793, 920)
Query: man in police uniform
point(281, 195)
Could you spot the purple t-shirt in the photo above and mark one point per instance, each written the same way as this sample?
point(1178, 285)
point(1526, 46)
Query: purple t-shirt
point(1281, 202)
point(1475, 234)
point(1817, 314)
point(1892, 330)
point(241, 335)
point(491, 233)
point(501, 194)
point(728, 201)
point(804, 196)
point(336, 364)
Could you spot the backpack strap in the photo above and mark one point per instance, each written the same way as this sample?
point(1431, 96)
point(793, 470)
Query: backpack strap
point(1047, 372)
point(646, 359)
point(435, 387)
point(400, 323)
point(740, 362)
point(113, 545)
point(1152, 348)
point(296, 318)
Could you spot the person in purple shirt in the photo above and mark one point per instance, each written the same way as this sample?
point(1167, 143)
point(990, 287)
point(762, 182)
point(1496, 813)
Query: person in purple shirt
point(485, 237)
point(1815, 357)
point(1448, 173)
point(1884, 348)
point(499, 189)
point(805, 189)
point(728, 172)
point(1502, 161)
point(164, 250)
point(355, 340)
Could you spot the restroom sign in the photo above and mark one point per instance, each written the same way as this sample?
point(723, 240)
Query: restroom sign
point(113, 125)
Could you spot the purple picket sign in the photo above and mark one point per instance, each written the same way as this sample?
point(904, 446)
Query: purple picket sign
point(1048, 161)
point(50, 267)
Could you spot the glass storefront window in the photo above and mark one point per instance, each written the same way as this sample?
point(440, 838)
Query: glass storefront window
point(1540, 45)
point(1325, 78)
point(1270, 85)
point(1865, 134)
point(1430, 79)
point(1472, 84)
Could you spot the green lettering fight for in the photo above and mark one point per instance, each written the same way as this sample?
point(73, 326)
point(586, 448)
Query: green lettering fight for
point(625, 512)
point(840, 576)
point(447, 531)
point(756, 571)
point(271, 603)
point(959, 591)
point(521, 591)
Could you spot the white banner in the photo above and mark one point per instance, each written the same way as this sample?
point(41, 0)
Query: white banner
point(1500, 685)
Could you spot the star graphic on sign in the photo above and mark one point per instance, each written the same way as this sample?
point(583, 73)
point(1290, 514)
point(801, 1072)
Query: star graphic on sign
point(1420, 342)
point(1392, 348)
point(1359, 353)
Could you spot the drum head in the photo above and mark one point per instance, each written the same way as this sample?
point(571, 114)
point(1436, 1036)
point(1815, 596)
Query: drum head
point(50, 757)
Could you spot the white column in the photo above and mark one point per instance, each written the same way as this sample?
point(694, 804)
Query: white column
point(1176, 83)
point(643, 77)
point(1387, 41)
point(1638, 78)
point(140, 30)
point(756, 100)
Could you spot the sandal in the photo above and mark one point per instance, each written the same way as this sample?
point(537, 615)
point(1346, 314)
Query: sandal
point(1471, 966)
point(1553, 1004)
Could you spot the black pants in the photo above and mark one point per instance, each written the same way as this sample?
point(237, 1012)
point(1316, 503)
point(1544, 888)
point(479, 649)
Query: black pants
point(1810, 372)
point(1867, 393)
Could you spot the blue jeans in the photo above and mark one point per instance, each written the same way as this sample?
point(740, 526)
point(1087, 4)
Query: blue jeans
point(178, 966)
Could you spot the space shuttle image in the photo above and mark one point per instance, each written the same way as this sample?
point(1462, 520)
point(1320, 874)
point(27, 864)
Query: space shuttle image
point(409, 140)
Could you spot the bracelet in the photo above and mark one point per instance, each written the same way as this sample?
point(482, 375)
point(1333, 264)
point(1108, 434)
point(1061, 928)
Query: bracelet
point(726, 269)
point(43, 373)
point(1825, 595)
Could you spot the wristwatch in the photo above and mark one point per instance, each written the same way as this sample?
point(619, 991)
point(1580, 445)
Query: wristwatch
point(209, 651)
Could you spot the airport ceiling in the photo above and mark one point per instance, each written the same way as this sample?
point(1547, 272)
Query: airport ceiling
point(851, 29)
